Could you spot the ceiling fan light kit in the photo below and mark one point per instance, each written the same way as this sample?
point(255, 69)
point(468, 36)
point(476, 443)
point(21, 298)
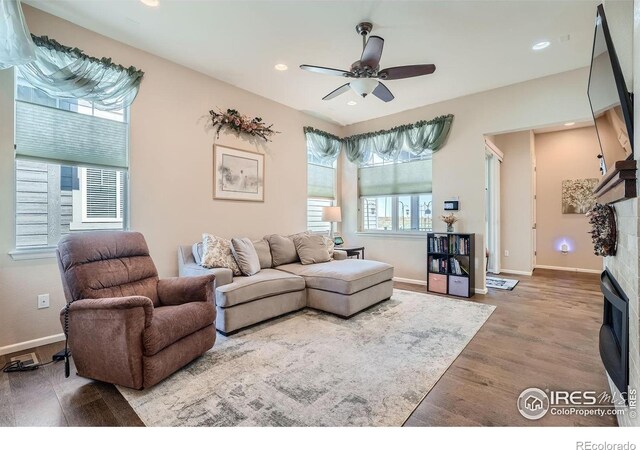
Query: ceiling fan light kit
point(363, 86)
point(366, 71)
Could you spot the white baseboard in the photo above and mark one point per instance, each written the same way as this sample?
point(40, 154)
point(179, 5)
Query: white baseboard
point(31, 344)
point(410, 281)
point(424, 283)
point(569, 269)
point(516, 272)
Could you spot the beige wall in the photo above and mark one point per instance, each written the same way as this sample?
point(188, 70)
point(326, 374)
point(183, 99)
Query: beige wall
point(170, 168)
point(458, 169)
point(564, 155)
point(516, 194)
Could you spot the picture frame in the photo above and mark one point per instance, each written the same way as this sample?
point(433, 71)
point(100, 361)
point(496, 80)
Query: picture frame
point(238, 175)
point(578, 196)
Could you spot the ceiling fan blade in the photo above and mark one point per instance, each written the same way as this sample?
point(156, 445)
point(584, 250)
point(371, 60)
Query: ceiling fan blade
point(372, 52)
point(383, 93)
point(397, 73)
point(326, 70)
point(333, 94)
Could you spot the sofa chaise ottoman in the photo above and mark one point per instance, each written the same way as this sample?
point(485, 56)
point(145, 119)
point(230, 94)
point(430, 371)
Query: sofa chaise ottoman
point(342, 286)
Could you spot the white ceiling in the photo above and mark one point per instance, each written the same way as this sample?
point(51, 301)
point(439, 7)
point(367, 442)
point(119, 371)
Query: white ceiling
point(476, 45)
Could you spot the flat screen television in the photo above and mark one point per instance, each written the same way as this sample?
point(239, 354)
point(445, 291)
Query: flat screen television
point(611, 103)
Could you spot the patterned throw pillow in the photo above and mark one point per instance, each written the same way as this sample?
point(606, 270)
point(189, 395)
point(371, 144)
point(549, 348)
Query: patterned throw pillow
point(216, 252)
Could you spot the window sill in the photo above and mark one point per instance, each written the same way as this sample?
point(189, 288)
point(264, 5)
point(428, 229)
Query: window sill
point(394, 234)
point(33, 253)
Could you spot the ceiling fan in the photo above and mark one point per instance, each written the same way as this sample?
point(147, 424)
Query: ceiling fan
point(366, 72)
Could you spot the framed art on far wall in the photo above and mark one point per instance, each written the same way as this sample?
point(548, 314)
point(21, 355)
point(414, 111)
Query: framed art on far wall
point(237, 174)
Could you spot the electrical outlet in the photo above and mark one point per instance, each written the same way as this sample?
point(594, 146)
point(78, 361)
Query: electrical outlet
point(506, 253)
point(43, 301)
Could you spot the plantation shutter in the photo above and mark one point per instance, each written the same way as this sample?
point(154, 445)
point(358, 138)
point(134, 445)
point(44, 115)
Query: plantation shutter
point(405, 178)
point(69, 138)
point(102, 188)
point(321, 181)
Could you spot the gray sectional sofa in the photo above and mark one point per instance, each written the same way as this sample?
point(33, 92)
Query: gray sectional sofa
point(342, 286)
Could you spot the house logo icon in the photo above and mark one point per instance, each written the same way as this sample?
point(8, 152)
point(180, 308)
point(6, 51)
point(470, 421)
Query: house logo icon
point(533, 403)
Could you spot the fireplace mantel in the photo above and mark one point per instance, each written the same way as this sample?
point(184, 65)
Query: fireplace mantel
point(618, 184)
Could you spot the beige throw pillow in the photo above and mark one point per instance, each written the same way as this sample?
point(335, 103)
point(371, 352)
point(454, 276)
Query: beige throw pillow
point(245, 255)
point(312, 248)
point(283, 250)
point(216, 252)
point(264, 253)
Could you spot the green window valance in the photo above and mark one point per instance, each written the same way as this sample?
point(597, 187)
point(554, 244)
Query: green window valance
point(416, 138)
point(67, 73)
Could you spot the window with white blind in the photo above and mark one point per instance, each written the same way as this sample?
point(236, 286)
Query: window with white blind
point(321, 191)
point(395, 195)
point(71, 167)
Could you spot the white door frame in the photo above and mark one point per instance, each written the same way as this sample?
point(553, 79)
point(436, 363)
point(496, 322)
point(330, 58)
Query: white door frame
point(494, 157)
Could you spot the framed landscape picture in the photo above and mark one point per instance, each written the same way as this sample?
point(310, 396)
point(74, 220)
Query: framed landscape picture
point(237, 174)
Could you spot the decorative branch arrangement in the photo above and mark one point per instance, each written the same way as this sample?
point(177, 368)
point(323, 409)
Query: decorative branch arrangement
point(603, 230)
point(240, 124)
point(449, 219)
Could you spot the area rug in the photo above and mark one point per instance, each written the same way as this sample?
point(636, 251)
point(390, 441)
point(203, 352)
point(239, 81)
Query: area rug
point(506, 284)
point(315, 369)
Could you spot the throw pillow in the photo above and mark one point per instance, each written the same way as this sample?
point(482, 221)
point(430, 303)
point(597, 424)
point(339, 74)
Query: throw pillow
point(196, 250)
point(312, 248)
point(264, 253)
point(216, 252)
point(283, 250)
point(245, 255)
point(330, 245)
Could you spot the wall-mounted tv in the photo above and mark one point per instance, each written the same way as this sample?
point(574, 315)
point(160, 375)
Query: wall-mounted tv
point(611, 103)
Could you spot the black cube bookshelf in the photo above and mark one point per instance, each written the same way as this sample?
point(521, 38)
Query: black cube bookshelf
point(451, 264)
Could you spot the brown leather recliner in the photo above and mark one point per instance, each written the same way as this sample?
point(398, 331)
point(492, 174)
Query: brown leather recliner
point(126, 326)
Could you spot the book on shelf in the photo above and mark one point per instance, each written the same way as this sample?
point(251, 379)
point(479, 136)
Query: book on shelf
point(459, 245)
point(438, 244)
point(438, 265)
point(456, 268)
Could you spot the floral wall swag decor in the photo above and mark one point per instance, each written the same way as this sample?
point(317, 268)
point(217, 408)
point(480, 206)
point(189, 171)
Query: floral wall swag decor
point(240, 123)
point(603, 230)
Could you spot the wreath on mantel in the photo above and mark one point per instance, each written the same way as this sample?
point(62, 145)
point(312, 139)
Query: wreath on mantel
point(603, 230)
point(240, 123)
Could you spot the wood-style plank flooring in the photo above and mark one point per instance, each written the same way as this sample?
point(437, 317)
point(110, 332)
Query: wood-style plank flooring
point(542, 334)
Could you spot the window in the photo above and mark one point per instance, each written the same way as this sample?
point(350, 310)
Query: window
point(321, 187)
point(71, 167)
point(395, 195)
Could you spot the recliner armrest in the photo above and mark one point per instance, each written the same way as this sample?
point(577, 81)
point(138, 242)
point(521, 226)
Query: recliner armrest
point(115, 303)
point(179, 290)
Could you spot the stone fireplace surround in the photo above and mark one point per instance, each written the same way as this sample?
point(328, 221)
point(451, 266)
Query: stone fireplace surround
point(625, 267)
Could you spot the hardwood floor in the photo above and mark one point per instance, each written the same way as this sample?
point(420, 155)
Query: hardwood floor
point(542, 334)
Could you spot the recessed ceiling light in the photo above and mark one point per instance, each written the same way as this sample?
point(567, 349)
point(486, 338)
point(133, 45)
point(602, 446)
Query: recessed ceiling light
point(568, 124)
point(352, 103)
point(541, 45)
point(152, 3)
point(280, 67)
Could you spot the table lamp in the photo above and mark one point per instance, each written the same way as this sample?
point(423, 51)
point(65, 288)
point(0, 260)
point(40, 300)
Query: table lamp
point(331, 214)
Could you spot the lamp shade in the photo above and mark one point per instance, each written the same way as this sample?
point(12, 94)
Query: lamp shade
point(331, 214)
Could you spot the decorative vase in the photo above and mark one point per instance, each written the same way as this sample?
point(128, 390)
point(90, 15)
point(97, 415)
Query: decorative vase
point(450, 228)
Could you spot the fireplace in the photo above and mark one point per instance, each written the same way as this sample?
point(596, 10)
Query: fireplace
point(614, 332)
